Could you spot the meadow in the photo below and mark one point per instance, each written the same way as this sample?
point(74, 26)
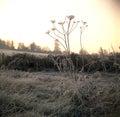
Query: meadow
point(54, 94)
point(33, 86)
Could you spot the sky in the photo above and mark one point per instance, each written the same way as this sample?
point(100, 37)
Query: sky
point(28, 20)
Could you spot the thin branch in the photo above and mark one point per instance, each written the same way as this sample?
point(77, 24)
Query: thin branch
point(58, 36)
point(58, 41)
point(58, 30)
point(73, 28)
point(68, 35)
point(66, 20)
point(64, 36)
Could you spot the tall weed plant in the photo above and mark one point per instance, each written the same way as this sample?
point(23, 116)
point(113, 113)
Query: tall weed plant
point(62, 35)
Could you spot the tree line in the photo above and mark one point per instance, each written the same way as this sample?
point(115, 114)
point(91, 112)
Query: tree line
point(33, 47)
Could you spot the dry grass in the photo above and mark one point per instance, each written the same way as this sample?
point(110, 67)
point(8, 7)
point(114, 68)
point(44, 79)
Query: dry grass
point(53, 94)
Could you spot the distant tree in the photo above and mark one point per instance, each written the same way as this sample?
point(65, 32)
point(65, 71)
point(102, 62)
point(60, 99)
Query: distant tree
point(21, 46)
point(2, 44)
point(38, 48)
point(12, 45)
point(6, 44)
point(46, 49)
point(33, 46)
point(9, 44)
point(57, 46)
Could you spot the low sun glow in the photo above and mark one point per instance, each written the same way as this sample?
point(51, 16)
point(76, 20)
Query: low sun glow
point(28, 20)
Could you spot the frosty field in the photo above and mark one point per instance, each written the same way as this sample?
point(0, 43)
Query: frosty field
point(54, 94)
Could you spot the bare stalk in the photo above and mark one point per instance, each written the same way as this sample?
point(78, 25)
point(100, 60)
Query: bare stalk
point(82, 28)
point(68, 41)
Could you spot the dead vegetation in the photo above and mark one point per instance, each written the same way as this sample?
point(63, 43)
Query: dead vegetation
point(53, 94)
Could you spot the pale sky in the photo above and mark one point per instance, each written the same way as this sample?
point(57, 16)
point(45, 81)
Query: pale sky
point(28, 20)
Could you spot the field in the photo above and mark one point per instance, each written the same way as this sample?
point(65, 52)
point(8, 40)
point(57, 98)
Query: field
point(12, 52)
point(31, 85)
point(54, 94)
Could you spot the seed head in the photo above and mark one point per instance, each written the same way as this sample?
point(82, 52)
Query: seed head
point(61, 23)
point(53, 21)
point(84, 23)
point(53, 29)
point(70, 17)
point(48, 32)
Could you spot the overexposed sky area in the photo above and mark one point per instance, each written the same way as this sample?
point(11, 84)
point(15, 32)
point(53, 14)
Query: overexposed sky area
point(28, 20)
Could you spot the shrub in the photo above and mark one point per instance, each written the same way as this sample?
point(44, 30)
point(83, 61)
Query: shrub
point(10, 105)
point(26, 62)
point(92, 62)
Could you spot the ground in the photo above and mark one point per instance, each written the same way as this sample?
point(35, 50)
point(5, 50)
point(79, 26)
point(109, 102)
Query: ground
point(54, 94)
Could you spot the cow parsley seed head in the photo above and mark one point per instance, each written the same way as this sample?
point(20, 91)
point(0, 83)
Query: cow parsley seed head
point(61, 23)
point(48, 32)
point(70, 17)
point(53, 21)
point(53, 29)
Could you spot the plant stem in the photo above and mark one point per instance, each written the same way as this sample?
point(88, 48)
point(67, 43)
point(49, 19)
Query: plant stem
point(68, 36)
point(81, 50)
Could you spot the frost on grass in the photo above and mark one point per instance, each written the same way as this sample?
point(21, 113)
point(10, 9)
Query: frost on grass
point(55, 94)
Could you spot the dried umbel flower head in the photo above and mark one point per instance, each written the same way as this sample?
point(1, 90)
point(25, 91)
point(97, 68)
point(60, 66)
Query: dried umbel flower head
point(48, 32)
point(61, 23)
point(53, 29)
point(53, 21)
point(80, 28)
point(76, 21)
point(70, 17)
point(84, 23)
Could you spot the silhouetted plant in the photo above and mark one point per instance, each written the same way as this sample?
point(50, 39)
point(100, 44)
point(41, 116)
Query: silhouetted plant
point(103, 56)
point(116, 61)
point(63, 37)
